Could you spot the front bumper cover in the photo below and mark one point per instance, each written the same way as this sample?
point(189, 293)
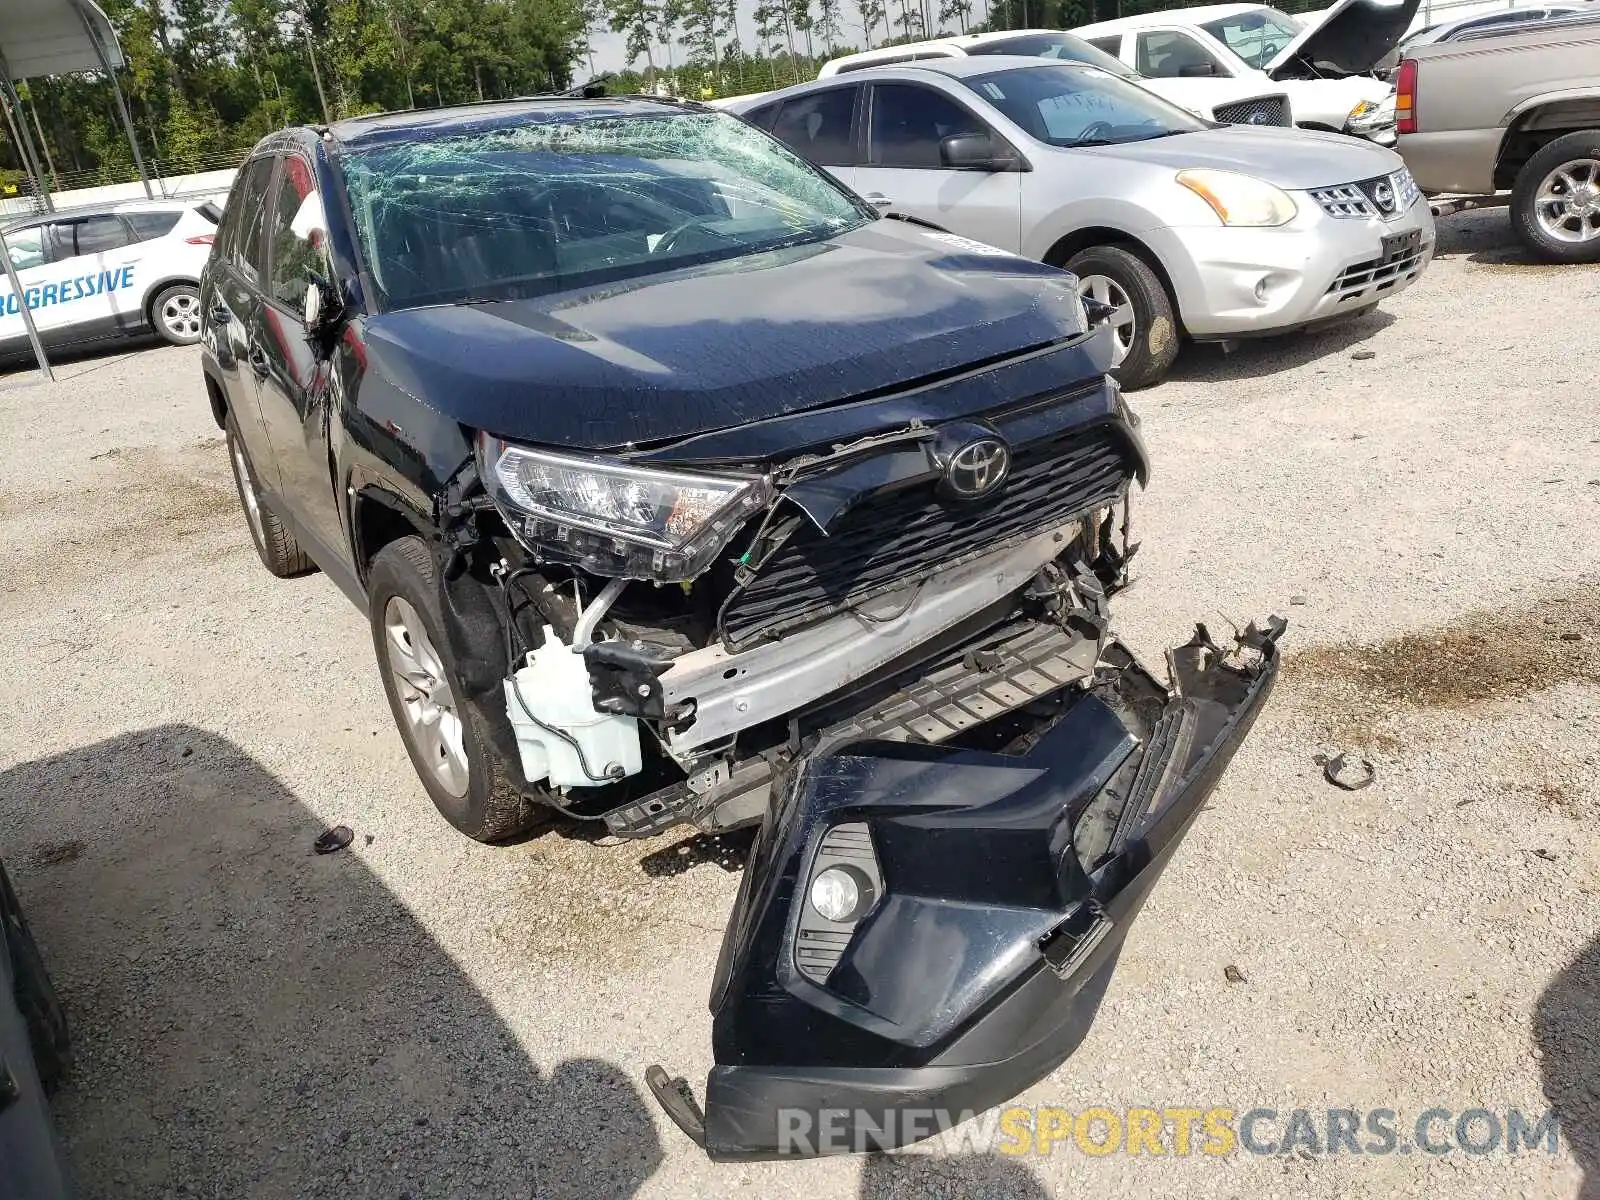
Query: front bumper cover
point(1009, 878)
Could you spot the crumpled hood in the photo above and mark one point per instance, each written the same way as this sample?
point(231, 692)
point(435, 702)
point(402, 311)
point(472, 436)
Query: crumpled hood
point(1350, 38)
point(1295, 159)
point(726, 343)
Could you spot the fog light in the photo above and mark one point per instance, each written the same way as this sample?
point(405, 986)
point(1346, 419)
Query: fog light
point(836, 894)
point(1261, 291)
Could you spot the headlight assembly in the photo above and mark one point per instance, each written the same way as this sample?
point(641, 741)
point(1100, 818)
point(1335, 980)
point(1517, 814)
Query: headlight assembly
point(612, 517)
point(1241, 200)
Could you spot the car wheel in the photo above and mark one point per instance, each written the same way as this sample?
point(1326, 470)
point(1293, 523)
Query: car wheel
point(1142, 327)
point(449, 734)
point(35, 994)
point(176, 314)
point(278, 549)
point(1555, 205)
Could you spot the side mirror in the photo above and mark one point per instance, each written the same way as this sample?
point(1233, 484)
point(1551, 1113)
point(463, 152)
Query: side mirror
point(323, 307)
point(1200, 70)
point(975, 152)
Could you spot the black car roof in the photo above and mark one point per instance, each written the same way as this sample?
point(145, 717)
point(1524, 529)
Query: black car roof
point(424, 124)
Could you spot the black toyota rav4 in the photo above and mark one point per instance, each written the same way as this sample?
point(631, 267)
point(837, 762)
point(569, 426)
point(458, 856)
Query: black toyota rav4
point(680, 487)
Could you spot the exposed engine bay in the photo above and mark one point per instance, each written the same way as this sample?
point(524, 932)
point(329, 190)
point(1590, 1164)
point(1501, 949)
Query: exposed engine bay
point(918, 585)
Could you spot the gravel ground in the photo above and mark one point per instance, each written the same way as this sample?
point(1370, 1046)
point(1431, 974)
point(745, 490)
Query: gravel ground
point(425, 1017)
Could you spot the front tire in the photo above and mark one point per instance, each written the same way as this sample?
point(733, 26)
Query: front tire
point(278, 548)
point(1145, 332)
point(175, 313)
point(448, 733)
point(1555, 205)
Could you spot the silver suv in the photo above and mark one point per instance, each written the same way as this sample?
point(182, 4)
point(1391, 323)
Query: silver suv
point(1178, 226)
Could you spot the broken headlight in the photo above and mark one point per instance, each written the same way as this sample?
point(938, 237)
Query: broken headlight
point(614, 518)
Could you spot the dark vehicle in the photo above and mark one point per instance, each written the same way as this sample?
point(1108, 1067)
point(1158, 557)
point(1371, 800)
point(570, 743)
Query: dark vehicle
point(680, 487)
point(33, 1057)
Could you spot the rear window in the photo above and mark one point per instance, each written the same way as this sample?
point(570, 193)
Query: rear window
point(151, 225)
point(527, 210)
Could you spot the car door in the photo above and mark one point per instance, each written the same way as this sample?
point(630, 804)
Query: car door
point(293, 380)
point(233, 301)
point(903, 169)
point(73, 286)
point(29, 250)
point(820, 127)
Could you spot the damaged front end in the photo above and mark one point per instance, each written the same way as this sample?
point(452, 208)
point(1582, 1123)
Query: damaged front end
point(924, 931)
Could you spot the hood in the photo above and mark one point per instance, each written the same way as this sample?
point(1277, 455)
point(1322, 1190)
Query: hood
point(1294, 159)
point(727, 343)
point(1348, 39)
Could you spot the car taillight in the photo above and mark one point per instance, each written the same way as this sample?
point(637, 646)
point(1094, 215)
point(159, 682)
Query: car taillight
point(201, 239)
point(1405, 97)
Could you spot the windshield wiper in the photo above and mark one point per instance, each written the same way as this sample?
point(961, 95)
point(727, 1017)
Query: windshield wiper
point(1090, 142)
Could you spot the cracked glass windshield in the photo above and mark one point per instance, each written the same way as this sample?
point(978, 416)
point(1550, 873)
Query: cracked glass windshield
point(531, 209)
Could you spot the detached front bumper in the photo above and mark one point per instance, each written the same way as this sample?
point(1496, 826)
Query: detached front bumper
point(1248, 282)
point(996, 880)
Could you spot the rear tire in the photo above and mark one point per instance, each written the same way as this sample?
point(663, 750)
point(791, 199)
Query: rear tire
point(277, 548)
point(175, 313)
point(448, 733)
point(1541, 208)
point(35, 994)
point(1148, 348)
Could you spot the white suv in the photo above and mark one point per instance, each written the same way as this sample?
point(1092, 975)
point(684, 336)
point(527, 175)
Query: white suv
point(1323, 64)
point(112, 271)
point(1228, 101)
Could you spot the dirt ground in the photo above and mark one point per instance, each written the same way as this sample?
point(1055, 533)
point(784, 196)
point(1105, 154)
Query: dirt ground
point(422, 1016)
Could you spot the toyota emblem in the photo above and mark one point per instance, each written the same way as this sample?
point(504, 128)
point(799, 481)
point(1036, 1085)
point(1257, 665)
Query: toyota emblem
point(1260, 118)
point(978, 468)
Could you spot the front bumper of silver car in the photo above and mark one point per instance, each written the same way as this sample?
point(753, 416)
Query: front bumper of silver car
point(1234, 282)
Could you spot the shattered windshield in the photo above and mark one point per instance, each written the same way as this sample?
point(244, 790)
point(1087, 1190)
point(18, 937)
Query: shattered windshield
point(527, 210)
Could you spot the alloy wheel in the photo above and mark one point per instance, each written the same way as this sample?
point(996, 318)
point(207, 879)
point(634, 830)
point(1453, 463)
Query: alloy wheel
point(1123, 326)
point(180, 315)
point(1567, 203)
point(427, 704)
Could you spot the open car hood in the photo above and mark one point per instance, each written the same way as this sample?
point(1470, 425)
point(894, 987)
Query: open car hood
point(999, 886)
point(1351, 38)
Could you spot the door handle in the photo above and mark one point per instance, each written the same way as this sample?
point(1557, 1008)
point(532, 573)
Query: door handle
point(257, 360)
point(877, 199)
point(220, 314)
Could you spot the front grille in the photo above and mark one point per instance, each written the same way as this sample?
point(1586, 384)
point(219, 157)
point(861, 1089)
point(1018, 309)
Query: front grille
point(1378, 275)
point(1363, 199)
point(1263, 110)
point(883, 543)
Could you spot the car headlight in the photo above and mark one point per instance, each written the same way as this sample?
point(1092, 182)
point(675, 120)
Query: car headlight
point(1369, 115)
point(1240, 199)
point(612, 517)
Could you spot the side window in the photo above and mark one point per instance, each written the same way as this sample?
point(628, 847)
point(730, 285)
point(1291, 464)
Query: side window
point(26, 247)
point(147, 226)
point(761, 117)
point(299, 234)
point(817, 127)
point(1168, 54)
point(245, 247)
point(99, 234)
point(909, 122)
point(58, 242)
point(1112, 44)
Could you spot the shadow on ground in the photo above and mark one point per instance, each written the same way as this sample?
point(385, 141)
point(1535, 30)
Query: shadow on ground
point(252, 1019)
point(1566, 1025)
point(69, 361)
point(1252, 358)
point(970, 1176)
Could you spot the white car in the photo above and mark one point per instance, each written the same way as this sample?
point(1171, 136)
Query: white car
point(1324, 64)
point(114, 271)
point(1232, 102)
point(1176, 226)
